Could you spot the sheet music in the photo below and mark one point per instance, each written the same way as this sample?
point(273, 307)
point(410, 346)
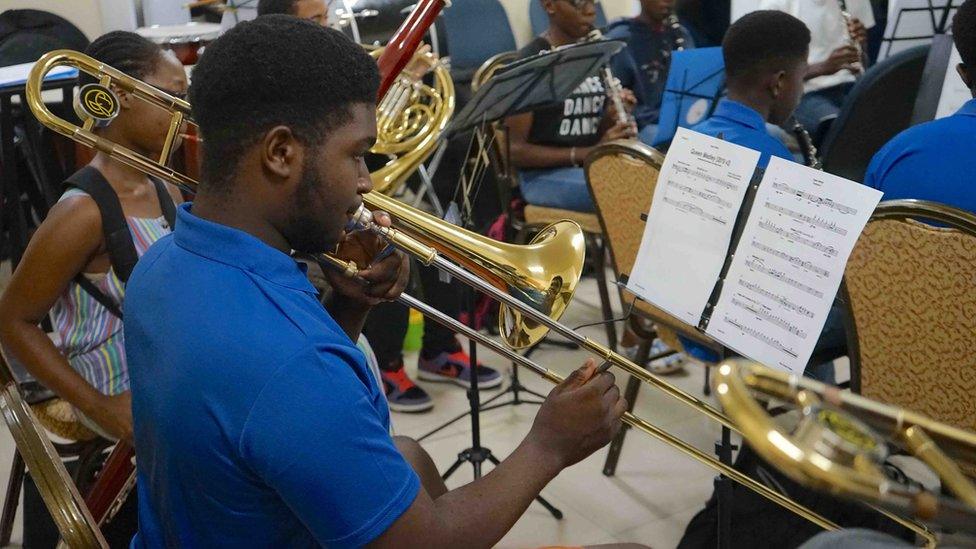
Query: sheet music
point(789, 262)
point(912, 23)
point(16, 75)
point(689, 228)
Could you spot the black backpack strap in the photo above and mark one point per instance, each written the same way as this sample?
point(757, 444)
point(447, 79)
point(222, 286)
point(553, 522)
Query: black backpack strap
point(166, 203)
point(99, 295)
point(118, 239)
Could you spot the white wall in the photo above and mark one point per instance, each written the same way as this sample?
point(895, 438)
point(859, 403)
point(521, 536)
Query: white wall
point(93, 17)
point(518, 15)
point(742, 7)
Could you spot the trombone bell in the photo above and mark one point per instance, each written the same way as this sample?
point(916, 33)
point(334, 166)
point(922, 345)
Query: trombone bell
point(542, 274)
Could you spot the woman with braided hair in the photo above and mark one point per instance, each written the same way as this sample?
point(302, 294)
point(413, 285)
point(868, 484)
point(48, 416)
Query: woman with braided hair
point(71, 271)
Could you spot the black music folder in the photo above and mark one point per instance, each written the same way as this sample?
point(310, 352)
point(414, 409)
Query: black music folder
point(752, 257)
point(534, 82)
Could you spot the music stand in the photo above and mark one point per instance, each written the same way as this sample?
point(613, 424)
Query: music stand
point(941, 92)
point(520, 87)
point(695, 83)
point(915, 23)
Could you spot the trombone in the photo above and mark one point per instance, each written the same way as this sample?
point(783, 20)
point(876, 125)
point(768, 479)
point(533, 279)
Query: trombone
point(842, 439)
point(533, 283)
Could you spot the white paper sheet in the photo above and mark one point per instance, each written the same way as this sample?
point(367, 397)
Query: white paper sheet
point(789, 262)
point(954, 90)
point(12, 75)
point(689, 228)
point(911, 23)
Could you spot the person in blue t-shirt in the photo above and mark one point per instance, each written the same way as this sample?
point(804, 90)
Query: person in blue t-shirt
point(256, 421)
point(651, 37)
point(765, 61)
point(765, 56)
point(935, 161)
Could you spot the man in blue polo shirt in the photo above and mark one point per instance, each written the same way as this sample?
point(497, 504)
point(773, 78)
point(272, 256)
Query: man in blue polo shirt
point(765, 61)
point(256, 421)
point(936, 161)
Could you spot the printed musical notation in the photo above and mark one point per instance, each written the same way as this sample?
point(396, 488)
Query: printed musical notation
point(813, 220)
point(815, 244)
point(780, 275)
point(785, 270)
point(700, 190)
point(756, 334)
point(704, 195)
point(756, 288)
point(678, 168)
point(815, 199)
point(792, 259)
point(771, 318)
point(691, 208)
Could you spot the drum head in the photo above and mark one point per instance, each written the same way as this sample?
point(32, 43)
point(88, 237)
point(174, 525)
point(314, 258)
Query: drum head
point(181, 34)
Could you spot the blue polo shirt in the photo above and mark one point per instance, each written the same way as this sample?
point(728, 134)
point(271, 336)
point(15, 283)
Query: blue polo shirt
point(257, 422)
point(932, 161)
point(744, 126)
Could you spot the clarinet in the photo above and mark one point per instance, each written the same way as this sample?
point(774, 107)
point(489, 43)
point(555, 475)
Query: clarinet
point(806, 146)
point(611, 83)
point(676, 35)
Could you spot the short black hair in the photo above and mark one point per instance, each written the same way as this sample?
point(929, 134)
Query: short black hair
point(271, 7)
point(964, 33)
point(128, 52)
point(275, 70)
point(764, 40)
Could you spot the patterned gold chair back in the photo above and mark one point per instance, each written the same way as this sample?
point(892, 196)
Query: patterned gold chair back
point(622, 176)
point(61, 497)
point(911, 291)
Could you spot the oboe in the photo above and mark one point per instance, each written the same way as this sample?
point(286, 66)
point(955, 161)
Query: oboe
point(677, 35)
point(807, 148)
point(612, 84)
point(851, 39)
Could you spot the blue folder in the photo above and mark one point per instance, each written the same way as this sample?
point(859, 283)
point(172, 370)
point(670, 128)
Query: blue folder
point(695, 82)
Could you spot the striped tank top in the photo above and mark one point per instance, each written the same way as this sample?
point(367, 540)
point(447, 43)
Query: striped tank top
point(91, 336)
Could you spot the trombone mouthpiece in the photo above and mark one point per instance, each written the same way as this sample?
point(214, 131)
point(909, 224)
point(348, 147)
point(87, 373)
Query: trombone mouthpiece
point(361, 219)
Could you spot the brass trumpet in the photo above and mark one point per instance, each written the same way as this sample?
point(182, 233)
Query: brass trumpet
point(533, 283)
point(542, 274)
point(841, 440)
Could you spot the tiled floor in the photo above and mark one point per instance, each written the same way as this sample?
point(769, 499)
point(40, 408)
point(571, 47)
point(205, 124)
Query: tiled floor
point(656, 489)
point(654, 494)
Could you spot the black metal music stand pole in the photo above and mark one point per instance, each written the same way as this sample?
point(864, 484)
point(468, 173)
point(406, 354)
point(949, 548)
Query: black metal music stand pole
point(520, 87)
point(477, 454)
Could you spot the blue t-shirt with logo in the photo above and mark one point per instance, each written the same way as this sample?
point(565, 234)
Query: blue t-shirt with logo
point(645, 69)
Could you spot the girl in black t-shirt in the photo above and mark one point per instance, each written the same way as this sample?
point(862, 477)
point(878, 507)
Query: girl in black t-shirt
point(548, 146)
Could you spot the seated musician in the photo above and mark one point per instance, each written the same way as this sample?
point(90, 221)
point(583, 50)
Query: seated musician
point(549, 145)
point(69, 269)
point(765, 61)
point(765, 56)
point(651, 38)
point(441, 357)
point(255, 421)
point(934, 161)
point(833, 61)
